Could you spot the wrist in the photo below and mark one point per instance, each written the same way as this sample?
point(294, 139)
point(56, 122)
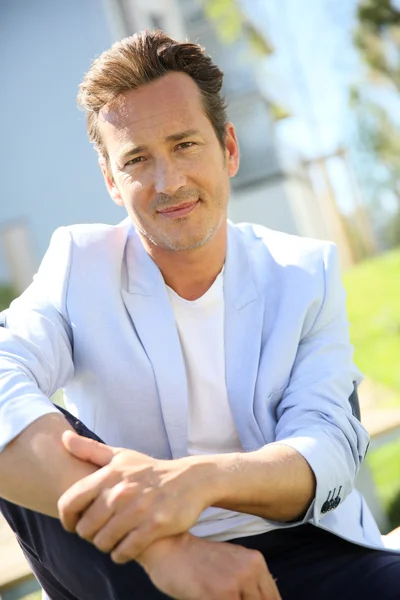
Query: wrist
point(212, 476)
point(156, 553)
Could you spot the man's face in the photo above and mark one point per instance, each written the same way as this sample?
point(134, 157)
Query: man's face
point(166, 165)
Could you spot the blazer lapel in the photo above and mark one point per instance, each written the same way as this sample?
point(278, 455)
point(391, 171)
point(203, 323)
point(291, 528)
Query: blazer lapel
point(146, 299)
point(244, 309)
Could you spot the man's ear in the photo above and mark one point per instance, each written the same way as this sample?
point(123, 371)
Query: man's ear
point(231, 150)
point(109, 181)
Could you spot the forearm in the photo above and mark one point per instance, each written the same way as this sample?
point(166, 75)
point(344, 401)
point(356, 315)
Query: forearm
point(275, 482)
point(36, 469)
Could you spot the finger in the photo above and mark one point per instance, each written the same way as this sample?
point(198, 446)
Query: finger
point(268, 588)
point(252, 593)
point(96, 516)
point(136, 542)
point(88, 450)
point(114, 532)
point(79, 497)
point(111, 517)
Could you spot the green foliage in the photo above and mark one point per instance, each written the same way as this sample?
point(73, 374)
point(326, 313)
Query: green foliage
point(384, 137)
point(378, 14)
point(232, 25)
point(378, 30)
point(380, 137)
point(377, 37)
point(373, 304)
point(392, 230)
point(7, 295)
point(379, 134)
point(385, 466)
point(278, 112)
point(393, 508)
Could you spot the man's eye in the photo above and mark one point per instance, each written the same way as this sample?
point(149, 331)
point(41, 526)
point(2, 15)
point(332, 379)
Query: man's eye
point(185, 145)
point(136, 160)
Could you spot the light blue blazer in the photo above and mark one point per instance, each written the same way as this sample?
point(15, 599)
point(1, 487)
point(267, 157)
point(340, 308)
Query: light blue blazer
point(97, 321)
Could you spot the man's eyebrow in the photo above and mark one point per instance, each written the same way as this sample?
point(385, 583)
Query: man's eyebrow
point(181, 135)
point(130, 149)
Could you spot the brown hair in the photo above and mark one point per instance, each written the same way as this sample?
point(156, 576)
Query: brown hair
point(140, 59)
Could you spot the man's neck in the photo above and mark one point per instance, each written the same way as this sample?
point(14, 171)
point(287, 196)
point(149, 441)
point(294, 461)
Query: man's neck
point(191, 273)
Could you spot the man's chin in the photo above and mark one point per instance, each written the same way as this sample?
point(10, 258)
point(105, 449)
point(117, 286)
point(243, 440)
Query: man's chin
point(181, 243)
point(187, 244)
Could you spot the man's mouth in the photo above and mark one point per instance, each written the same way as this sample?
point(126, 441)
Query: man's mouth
point(180, 210)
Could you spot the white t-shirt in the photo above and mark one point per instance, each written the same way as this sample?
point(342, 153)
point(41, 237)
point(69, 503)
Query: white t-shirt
point(211, 429)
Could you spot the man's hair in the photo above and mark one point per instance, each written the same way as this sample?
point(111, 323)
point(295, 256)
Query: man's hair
point(140, 59)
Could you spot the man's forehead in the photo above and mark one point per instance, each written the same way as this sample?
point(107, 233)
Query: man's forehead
point(162, 107)
point(128, 115)
point(139, 130)
point(174, 92)
point(141, 124)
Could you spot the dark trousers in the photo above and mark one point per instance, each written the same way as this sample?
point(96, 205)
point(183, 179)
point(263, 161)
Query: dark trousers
point(307, 563)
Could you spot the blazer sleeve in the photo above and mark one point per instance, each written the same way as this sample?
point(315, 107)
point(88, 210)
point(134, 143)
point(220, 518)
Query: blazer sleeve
point(36, 344)
point(314, 414)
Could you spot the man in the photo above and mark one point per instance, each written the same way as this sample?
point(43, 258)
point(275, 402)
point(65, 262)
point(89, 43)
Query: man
point(213, 360)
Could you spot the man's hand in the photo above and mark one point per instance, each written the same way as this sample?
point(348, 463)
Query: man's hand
point(189, 568)
point(132, 500)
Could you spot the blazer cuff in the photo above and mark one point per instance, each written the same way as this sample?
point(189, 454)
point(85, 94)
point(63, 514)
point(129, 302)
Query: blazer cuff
point(334, 480)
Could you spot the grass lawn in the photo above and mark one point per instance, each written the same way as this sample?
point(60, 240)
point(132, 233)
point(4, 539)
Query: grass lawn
point(385, 466)
point(373, 304)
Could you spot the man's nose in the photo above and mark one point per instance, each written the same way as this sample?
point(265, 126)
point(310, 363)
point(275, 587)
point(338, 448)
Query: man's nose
point(168, 177)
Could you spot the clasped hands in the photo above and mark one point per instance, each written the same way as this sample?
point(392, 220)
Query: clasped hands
point(131, 501)
point(138, 507)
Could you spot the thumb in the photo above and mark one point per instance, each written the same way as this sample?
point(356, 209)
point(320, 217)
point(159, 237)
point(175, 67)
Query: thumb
point(88, 450)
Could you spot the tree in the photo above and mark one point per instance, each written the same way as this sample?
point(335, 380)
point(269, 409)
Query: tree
point(232, 25)
point(377, 38)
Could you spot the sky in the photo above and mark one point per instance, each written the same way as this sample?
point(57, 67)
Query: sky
point(309, 74)
point(314, 61)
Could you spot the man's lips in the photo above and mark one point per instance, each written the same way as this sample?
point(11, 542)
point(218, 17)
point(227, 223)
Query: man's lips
point(174, 212)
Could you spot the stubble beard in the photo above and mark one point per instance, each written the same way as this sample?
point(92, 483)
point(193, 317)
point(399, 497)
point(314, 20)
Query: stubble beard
point(162, 240)
point(178, 245)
